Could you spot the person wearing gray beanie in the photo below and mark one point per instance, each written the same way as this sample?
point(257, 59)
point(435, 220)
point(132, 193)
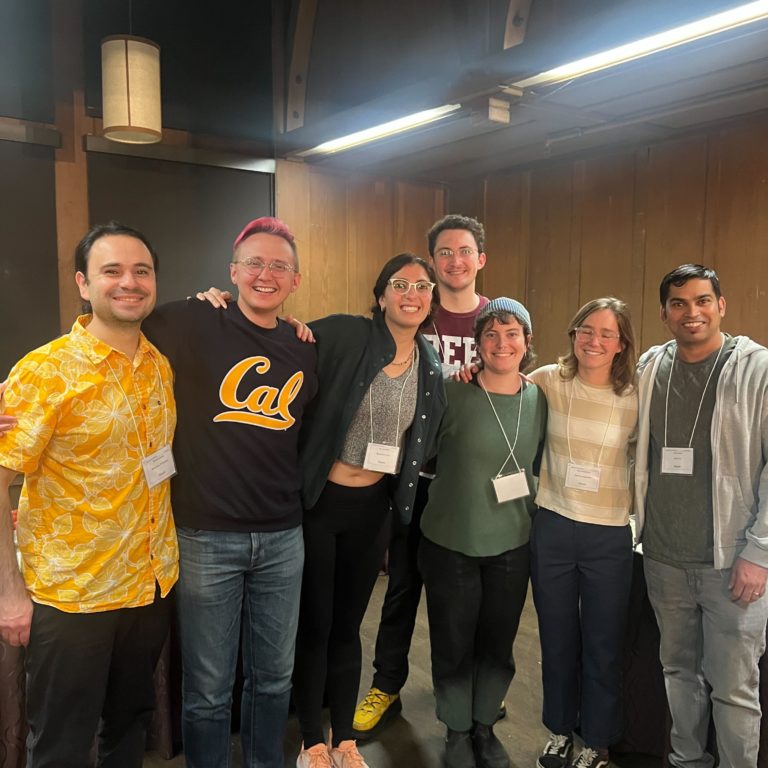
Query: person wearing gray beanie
point(474, 555)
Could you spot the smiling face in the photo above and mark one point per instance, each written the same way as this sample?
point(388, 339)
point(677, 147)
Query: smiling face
point(595, 355)
point(120, 283)
point(456, 259)
point(408, 310)
point(693, 313)
point(502, 346)
point(261, 294)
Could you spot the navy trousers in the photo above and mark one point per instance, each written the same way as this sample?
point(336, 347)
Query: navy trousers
point(581, 574)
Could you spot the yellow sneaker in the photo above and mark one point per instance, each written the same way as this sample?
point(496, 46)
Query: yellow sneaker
point(374, 711)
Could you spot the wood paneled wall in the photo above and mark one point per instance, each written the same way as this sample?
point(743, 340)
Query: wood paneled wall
point(565, 232)
point(346, 228)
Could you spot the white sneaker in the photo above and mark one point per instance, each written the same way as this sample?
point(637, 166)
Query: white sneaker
point(315, 757)
point(347, 756)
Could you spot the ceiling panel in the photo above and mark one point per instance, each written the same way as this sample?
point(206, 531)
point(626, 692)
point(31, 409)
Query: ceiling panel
point(647, 100)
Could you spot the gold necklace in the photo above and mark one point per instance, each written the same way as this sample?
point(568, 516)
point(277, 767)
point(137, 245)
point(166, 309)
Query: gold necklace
point(407, 359)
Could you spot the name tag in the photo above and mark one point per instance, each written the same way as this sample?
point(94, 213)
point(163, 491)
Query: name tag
point(381, 458)
point(677, 461)
point(510, 487)
point(159, 466)
point(449, 369)
point(582, 477)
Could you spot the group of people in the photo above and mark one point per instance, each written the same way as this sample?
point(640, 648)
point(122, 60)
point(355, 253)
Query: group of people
point(299, 455)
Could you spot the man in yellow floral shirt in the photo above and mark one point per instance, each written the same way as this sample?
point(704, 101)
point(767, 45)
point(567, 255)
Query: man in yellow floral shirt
point(97, 545)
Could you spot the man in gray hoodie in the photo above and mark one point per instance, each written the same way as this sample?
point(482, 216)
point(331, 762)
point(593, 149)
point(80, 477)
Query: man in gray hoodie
point(701, 486)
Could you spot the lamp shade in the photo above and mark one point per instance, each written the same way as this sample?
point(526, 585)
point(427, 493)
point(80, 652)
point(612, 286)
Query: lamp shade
point(130, 89)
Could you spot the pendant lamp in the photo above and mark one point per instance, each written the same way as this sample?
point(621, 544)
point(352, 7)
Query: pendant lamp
point(130, 89)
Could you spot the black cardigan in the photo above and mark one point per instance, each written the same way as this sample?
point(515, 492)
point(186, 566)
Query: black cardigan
point(351, 350)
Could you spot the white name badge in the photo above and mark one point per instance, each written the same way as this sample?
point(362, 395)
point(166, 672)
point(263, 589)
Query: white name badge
point(677, 461)
point(582, 477)
point(381, 458)
point(159, 466)
point(449, 369)
point(510, 487)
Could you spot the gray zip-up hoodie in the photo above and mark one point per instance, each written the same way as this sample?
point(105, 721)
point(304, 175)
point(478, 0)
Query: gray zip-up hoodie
point(739, 435)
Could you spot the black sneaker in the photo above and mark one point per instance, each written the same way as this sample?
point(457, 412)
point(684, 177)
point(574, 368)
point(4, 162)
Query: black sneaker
point(591, 758)
point(556, 753)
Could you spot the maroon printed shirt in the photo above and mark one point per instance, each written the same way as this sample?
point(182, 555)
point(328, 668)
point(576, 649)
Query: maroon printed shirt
point(451, 334)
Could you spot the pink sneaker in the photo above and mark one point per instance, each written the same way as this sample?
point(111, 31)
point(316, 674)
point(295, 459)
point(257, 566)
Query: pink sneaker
point(315, 757)
point(347, 756)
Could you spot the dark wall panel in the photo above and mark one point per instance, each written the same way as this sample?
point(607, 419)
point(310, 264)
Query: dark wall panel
point(26, 77)
point(29, 285)
point(190, 213)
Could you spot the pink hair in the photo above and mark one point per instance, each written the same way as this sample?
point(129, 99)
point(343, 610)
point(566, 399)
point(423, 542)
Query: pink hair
point(270, 225)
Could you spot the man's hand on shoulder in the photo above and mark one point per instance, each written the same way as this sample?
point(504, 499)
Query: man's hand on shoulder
point(303, 331)
point(15, 615)
point(747, 582)
point(215, 296)
point(465, 373)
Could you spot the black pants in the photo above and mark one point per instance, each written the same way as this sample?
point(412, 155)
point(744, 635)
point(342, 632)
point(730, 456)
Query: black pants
point(474, 606)
point(89, 672)
point(345, 537)
point(401, 603)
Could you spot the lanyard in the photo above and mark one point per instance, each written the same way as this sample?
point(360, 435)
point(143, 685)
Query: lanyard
point(568, 424)
point(701, 402)
point(130, 408)
point(443, 354)
point(503, 432)
point(400, 403)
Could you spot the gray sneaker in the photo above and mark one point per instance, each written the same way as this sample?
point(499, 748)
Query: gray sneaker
point(556, 753)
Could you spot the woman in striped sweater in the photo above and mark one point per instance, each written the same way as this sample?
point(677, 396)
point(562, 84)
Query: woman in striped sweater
point(581, 544)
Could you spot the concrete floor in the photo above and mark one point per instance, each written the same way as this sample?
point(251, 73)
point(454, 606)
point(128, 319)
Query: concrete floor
point(415, 738)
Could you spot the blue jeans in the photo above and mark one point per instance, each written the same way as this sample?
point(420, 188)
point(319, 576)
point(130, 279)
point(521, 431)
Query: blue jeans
point(710, 649)
point(233, 583)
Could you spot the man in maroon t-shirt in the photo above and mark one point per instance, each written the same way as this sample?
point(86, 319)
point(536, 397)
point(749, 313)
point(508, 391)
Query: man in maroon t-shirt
point(456, 249)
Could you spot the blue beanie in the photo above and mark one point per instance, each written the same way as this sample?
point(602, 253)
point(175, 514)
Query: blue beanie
point(510, 306)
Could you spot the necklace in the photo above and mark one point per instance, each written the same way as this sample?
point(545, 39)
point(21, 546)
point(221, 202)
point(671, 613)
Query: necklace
point(407, 359)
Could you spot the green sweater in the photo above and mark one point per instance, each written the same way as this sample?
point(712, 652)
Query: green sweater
point(462, 513)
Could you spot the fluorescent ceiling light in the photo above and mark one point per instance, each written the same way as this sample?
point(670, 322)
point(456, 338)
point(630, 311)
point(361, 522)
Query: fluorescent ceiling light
point(380, 131)
point(695, 30)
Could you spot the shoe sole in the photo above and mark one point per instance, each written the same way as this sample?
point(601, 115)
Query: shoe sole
point(393, 709)
point(566, 761)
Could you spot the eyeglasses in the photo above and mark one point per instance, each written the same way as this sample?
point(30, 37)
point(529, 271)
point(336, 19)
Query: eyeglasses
point(587, 334)
point(422, 287)
point(465, 252)
point(257, 266)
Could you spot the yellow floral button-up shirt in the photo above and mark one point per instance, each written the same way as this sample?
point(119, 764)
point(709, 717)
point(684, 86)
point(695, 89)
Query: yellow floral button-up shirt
point(92, 535)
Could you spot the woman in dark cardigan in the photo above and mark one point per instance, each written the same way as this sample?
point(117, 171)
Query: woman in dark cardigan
point(364, 438)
